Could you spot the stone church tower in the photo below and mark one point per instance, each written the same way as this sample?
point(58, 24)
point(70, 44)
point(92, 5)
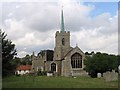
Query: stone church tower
point(67, 61)
point(62, 41)
point(62, 45)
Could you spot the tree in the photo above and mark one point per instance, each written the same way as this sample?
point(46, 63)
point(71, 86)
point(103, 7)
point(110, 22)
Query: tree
point(26, 60)
point(8, 53)
point(16, 62)
point(100, 63)
point(118, 58)
point(86, 53)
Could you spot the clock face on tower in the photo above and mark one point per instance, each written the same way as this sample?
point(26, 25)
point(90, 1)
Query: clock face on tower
point(63, 41)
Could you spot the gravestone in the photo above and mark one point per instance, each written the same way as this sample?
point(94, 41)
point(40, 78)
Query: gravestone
point(49, 74)
point(110, 76)
point(99, 75)
point(119, 69)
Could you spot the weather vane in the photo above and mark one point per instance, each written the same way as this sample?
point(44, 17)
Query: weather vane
point(62, 6)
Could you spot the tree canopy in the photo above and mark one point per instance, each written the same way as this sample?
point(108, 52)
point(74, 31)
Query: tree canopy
point(100, 63)
point(8, 53)
point(26, 60)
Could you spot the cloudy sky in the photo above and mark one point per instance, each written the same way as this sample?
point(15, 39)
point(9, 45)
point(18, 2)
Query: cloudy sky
point(32, 25)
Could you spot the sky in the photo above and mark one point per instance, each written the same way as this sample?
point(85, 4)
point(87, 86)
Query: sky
point(31, 25)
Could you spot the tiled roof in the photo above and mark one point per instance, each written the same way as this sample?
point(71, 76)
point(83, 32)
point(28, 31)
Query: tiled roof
point(24, 67)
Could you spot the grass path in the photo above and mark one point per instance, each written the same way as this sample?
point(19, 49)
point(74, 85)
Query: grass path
point(56, 82)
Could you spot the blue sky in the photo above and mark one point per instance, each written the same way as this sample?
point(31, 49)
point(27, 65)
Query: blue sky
point(103, 7)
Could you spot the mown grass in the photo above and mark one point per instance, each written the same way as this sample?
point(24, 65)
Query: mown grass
point(56, 82)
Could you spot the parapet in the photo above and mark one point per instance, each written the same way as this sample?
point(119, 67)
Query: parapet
point(62, 32)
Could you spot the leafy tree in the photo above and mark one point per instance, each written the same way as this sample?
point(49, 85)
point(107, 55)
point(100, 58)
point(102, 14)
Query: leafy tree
point(100, 63)
point(16, 62)
point(8, 53)
point(118, 58)
point(26, 60)
point(86, 53)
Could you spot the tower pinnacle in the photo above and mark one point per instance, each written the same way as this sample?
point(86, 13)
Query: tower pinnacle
point(62, 21)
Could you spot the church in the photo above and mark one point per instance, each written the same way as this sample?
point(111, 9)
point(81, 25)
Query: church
point(64, 60)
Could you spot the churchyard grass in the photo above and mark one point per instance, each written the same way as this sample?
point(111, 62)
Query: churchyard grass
point(56, 82)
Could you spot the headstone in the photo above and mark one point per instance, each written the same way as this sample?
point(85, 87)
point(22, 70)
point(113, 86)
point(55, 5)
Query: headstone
point(110, 76)
point(119, 69)
point(49, 74)
point(99, 75)
point(74, 77)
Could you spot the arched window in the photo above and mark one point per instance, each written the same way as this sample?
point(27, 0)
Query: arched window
point(53, 67)
point(76, 60)
point(63, 41)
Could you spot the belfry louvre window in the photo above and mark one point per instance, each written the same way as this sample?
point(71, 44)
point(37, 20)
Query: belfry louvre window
point(53, 67)
point(76, 60)
point(63, 41)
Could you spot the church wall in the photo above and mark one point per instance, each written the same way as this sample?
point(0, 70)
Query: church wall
point(79, 72)
point(57, 53)
point(60, 36)
point(37, 64)
point(48, 65)
point(63, 67)
point(66, 67)
point(58, 66)
point(83, 55)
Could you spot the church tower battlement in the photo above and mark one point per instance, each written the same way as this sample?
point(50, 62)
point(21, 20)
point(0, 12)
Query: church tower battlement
point(62, 39)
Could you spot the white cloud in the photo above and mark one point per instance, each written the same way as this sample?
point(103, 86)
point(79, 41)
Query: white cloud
point(31, 39)
point(32, 26)
point(92, 40)
point(15, 29)
point(22, 53)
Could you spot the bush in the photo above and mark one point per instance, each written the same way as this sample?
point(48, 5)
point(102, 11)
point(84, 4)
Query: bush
point(17, 75)
point(42, 73)
point(50, 71)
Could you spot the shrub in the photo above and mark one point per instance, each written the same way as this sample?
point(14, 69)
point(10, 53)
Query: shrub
point(17, 75)
point(42, 73)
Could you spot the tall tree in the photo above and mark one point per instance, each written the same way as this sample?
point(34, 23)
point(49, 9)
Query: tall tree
point(8, 53)
point(100, 63)
point(26, 60)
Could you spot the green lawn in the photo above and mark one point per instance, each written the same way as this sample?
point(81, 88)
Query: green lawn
point(56, 82)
